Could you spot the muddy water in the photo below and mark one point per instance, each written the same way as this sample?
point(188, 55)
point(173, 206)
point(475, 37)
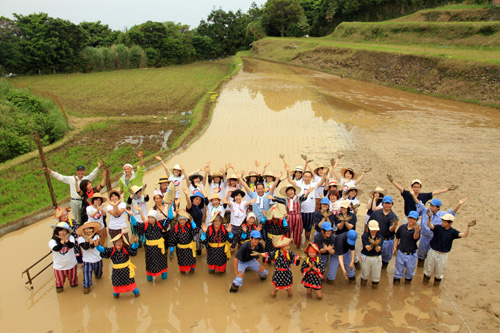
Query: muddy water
point(269, 109)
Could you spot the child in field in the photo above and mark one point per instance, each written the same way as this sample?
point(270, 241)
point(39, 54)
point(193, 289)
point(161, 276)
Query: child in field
point(88, 240)
point(217, 239)
point(63, 255)
point(347, 176)
point(63, 214)
point(247, 227)
point(96, 213)
point(217, 184)
point(275, 224)
point(238, 212)
point(313, 270)
point(123, 273)
point(117, 219)
point(215, 207)
point(183, 235)
point(137, 202)
point(156, 253)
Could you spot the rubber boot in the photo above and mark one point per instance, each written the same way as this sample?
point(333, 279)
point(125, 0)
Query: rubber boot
point(149, 278)
point(262, 278)
point(352, 280)
point(396, 281)
point(164, 275)
point(407, 281)
point(192, 269)
point(384, 265)
point(437, 282)
point(115, 295)
point(374, 285)
point(59, 290)
point(198, 252)
point(357, 265)
point(363, 282)
point(420, 262)
point(233, 289)
point(330, 281)
point(136, 292)
point(86, 290)
point(211, 271)
point(426, 279)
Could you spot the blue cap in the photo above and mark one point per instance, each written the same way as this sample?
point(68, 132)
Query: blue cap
point(255, 234)
point(413, 214)
point(387, 198)
point(436, 202)
point(326, 226)
point(352, 235)
point(325, 201)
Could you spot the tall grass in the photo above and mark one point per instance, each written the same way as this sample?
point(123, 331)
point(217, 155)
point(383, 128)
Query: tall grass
point(115, 57)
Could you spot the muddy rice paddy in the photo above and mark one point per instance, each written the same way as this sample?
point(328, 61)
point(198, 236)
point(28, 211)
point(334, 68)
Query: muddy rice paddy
point(269, 109)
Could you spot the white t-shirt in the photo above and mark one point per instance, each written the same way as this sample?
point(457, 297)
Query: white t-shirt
point(90, 255)
point(177, 180)
point(346, 184)
point(119, 222)
point(139, 202)
point(211, 211)
point(308, 205)
point(97, 217)
point(319, 192)
point(193, 190)
point(354, 201)
point(238, 213)
point(220, 187)
point(65, 258)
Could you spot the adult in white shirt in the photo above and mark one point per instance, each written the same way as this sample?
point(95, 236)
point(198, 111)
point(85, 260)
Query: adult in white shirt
point(347, 176)
point(95, 213)
point(117, 216)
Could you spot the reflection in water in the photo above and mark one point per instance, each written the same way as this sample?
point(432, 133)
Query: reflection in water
point(266, 110)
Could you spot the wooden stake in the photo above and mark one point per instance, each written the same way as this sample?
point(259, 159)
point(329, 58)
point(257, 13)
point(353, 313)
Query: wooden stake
point(108, 178)
point(36, 138)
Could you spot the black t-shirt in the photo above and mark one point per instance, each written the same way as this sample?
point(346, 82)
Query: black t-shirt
point(384, 222)
point(245, 251)
point(341, 246)
point(410, 203)
point(320, 240)
point(406, 241)
point(443, 239)
point(318, 217)
point(365, 241)
point(197, 214)
point(377, 202)
point(351, 221)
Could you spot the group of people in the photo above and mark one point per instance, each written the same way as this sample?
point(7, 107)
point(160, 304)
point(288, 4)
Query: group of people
point(253, 217)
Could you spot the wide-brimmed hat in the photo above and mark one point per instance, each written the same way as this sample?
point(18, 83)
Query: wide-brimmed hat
point(286, 187)
point(299, 169)
point(182, 214)
point(214, 196)
point(120, 235)
point(163, 180)
point(177, 167)
point(353, 187)
point(373, 225)
point(134, 189)
point(114, 191)
point(313, 245)
point(94, 225)
point(269, 174)
point(59, 211)
point(95, 196)
point(321, 166)
point(199, 195)
point(215, 216)
point(377, 189)
point(170, 192)
point(343, 170)
point(252, 174)
point(279, 241)
point(276, 211)
point(236, 192)
point(195, 175)
point(62, 225)
point(232, 176)
point(333, 182)
point(215, 174)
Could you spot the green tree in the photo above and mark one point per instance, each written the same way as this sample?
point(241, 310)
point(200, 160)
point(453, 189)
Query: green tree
point(97, 34)
point(10, 52)
point(282, 13)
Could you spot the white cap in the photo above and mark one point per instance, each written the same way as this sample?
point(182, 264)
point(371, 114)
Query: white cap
point(448, 217)
point(153, 213)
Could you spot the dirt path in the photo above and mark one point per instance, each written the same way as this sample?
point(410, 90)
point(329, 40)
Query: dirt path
point(269, 109)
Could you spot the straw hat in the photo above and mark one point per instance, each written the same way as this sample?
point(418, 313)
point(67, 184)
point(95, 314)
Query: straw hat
point(182, 214)
point(177, 167)
point(120, 235)
point(379, 190)
point(215, 217)
point(113, 191)
point(353, 187)
point(333, 182)
point(313, 245)
point(279, 241)
point(94, 225)
point(342, 172)
point(194, 175)
point(252, 174)
point(345, 204)
point(232, 176)
point(276, 211)
point(134, 189)
point(215, 174)
point(269, 174)
point(62, 225)
point(171, 192)
point(163, 180)
point(97, 195)
point(214, 196)
point(59, 211)
point(321, 166)
point(286, 187)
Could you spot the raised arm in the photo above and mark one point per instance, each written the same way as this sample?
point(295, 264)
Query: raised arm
point(206, 169)
point(466, 233)
point(265, 167)
point(188, 199)
point(243, 182)
point(460, 203)
point(334, 172)
point(360, 178)
point(451, 188)
point(276, 182)
point(399, 187)
point(167, 172)
point(288, 176)
point(257, 164)
point(323, 179)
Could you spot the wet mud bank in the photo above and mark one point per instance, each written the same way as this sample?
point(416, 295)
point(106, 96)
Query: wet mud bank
point(455, 79)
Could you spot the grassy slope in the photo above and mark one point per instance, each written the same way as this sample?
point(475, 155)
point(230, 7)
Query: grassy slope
point(23, 189)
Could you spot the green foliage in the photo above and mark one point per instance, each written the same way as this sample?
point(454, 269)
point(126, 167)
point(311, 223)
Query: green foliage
point(119, 56)
point(97, 34)
point(283, 13)
point(21, 115)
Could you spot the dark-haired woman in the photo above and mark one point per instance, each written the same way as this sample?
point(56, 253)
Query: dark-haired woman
point(86, 191)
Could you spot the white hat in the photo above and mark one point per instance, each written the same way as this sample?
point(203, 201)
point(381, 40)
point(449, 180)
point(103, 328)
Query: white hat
point(177, 167)
point(345, 204)
point(153, 213)
point(373, 225)
point(448, 217)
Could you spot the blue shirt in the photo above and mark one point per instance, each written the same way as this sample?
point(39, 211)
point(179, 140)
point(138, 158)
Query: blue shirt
point(256, 206)
point(435, 219)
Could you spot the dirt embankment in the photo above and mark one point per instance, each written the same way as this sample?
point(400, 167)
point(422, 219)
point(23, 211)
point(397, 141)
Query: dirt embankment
point(458, 15)
point(442, 77)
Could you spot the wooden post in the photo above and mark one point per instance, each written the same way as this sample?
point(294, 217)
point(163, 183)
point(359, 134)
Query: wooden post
point(36, 138)
point(108, 178)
